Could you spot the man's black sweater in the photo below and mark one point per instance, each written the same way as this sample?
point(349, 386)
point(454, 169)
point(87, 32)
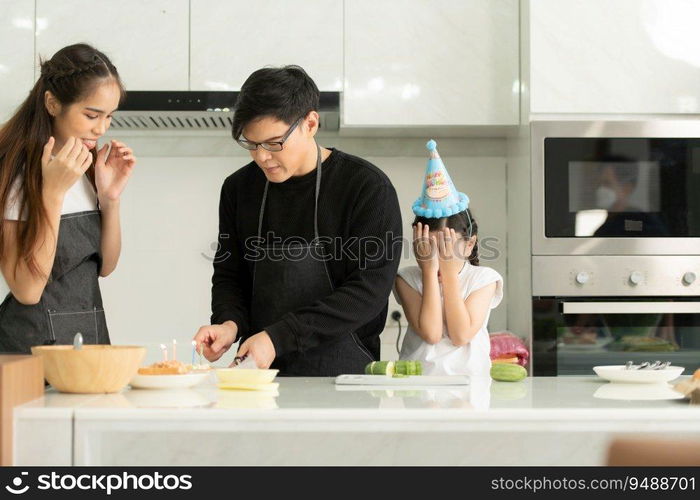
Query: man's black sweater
point(357, 208)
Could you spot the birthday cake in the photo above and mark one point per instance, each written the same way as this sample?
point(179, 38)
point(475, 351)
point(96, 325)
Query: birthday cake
point(172, 367)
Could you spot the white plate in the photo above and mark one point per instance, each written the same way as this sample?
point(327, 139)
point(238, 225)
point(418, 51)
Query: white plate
point(618, 373)
point(183, 381)
point(411, 380)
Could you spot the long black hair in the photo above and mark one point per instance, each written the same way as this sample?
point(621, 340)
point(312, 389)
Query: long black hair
point(70, 75)
point(463, 223)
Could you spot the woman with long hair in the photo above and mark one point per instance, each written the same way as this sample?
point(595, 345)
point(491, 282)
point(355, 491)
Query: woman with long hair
point(60, 193)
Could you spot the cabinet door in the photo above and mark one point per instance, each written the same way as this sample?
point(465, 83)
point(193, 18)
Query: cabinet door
point(147, 41)
point(16, 54)
point(232, 39)
point(444, 62)
point(626, 56)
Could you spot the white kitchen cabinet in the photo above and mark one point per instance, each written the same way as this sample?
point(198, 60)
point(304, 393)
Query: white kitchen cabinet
point(230, 40)
point(626, 56)
point(16, 54)
point(445, 62)
point(147, 41)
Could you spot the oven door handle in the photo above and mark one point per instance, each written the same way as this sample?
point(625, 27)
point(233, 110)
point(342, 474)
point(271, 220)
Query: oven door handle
point(630, 307)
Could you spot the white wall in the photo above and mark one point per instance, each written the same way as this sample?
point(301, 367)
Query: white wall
point(161, 288)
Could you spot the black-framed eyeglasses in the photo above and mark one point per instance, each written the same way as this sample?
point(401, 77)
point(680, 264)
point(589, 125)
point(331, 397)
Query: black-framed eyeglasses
point(269, 146)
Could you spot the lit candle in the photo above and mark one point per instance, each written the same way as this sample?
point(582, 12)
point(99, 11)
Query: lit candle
point(201, 349)
point(194, 346)
point(165, 352)
point(174, 350)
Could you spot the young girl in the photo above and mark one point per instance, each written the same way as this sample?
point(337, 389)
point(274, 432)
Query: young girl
point(448, 297)
point(60, 194)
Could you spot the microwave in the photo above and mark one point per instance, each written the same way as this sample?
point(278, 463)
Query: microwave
point(615, 187)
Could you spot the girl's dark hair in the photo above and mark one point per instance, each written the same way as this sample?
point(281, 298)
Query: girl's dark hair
point(287, 94)
point(70, 75)
point(463, 223)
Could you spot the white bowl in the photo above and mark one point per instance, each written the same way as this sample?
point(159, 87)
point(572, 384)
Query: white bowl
point(183, 381)
point(618, 373)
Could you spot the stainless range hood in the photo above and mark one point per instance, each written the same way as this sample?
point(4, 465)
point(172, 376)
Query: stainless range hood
point(197, 110)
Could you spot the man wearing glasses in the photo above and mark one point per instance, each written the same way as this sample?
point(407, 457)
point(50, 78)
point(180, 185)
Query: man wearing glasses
point(309, 240)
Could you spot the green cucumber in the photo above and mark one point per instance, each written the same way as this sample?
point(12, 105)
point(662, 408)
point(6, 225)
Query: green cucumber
point(508, 372)
point(402, 367)
point(380, 368)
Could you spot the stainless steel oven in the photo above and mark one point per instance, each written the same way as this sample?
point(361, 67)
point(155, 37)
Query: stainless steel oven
point(616, 187)
point(607, 310)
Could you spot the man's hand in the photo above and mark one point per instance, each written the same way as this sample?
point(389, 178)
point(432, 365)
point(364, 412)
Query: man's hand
point(216, 339)
point(260, 347)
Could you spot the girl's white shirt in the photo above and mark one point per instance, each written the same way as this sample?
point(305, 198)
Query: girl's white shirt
point(445, 358)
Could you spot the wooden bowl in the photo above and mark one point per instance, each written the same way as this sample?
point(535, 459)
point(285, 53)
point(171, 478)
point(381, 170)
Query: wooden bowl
point(93, 369)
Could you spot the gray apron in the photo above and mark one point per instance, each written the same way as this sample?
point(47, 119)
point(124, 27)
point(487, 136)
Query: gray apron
point(283, 282)
point(71, 301)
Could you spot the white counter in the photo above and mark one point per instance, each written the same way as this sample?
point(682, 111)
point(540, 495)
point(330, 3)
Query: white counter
point(540, 421)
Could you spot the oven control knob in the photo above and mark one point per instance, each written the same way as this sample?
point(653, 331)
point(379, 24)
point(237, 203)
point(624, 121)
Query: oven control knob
point(636, 278)
point(582, 278)
point(689, 278)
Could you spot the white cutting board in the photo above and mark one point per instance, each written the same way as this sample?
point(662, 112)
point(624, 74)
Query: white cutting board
point(411, 380)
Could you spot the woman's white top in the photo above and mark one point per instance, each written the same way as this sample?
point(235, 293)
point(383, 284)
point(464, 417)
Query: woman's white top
point(445, 358)
point(81, 197)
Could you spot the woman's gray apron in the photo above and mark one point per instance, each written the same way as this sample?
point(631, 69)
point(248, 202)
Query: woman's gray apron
point(71, 301)
point(289, 277)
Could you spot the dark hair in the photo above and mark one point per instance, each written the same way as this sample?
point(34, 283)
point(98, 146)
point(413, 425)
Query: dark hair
point(70, 75)
point(462, 222)
point(287, 94)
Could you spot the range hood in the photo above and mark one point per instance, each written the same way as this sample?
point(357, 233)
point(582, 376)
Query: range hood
point(198, 110)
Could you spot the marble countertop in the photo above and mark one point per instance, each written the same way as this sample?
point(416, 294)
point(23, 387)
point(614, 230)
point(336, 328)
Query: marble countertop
point(305, 397)
point(566, 420)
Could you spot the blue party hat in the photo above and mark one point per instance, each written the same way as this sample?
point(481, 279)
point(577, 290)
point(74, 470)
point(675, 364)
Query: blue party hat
point(439, 198)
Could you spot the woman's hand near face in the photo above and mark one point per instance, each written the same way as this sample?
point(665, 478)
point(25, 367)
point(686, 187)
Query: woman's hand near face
point(63, 170)
point(112, 170)
point(425, 249)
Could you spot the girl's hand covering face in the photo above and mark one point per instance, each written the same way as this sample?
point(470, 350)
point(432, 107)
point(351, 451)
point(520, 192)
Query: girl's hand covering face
point(425, 247)
point(451, 259)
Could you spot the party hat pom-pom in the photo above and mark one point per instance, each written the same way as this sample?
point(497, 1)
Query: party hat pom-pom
point(431, 145)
